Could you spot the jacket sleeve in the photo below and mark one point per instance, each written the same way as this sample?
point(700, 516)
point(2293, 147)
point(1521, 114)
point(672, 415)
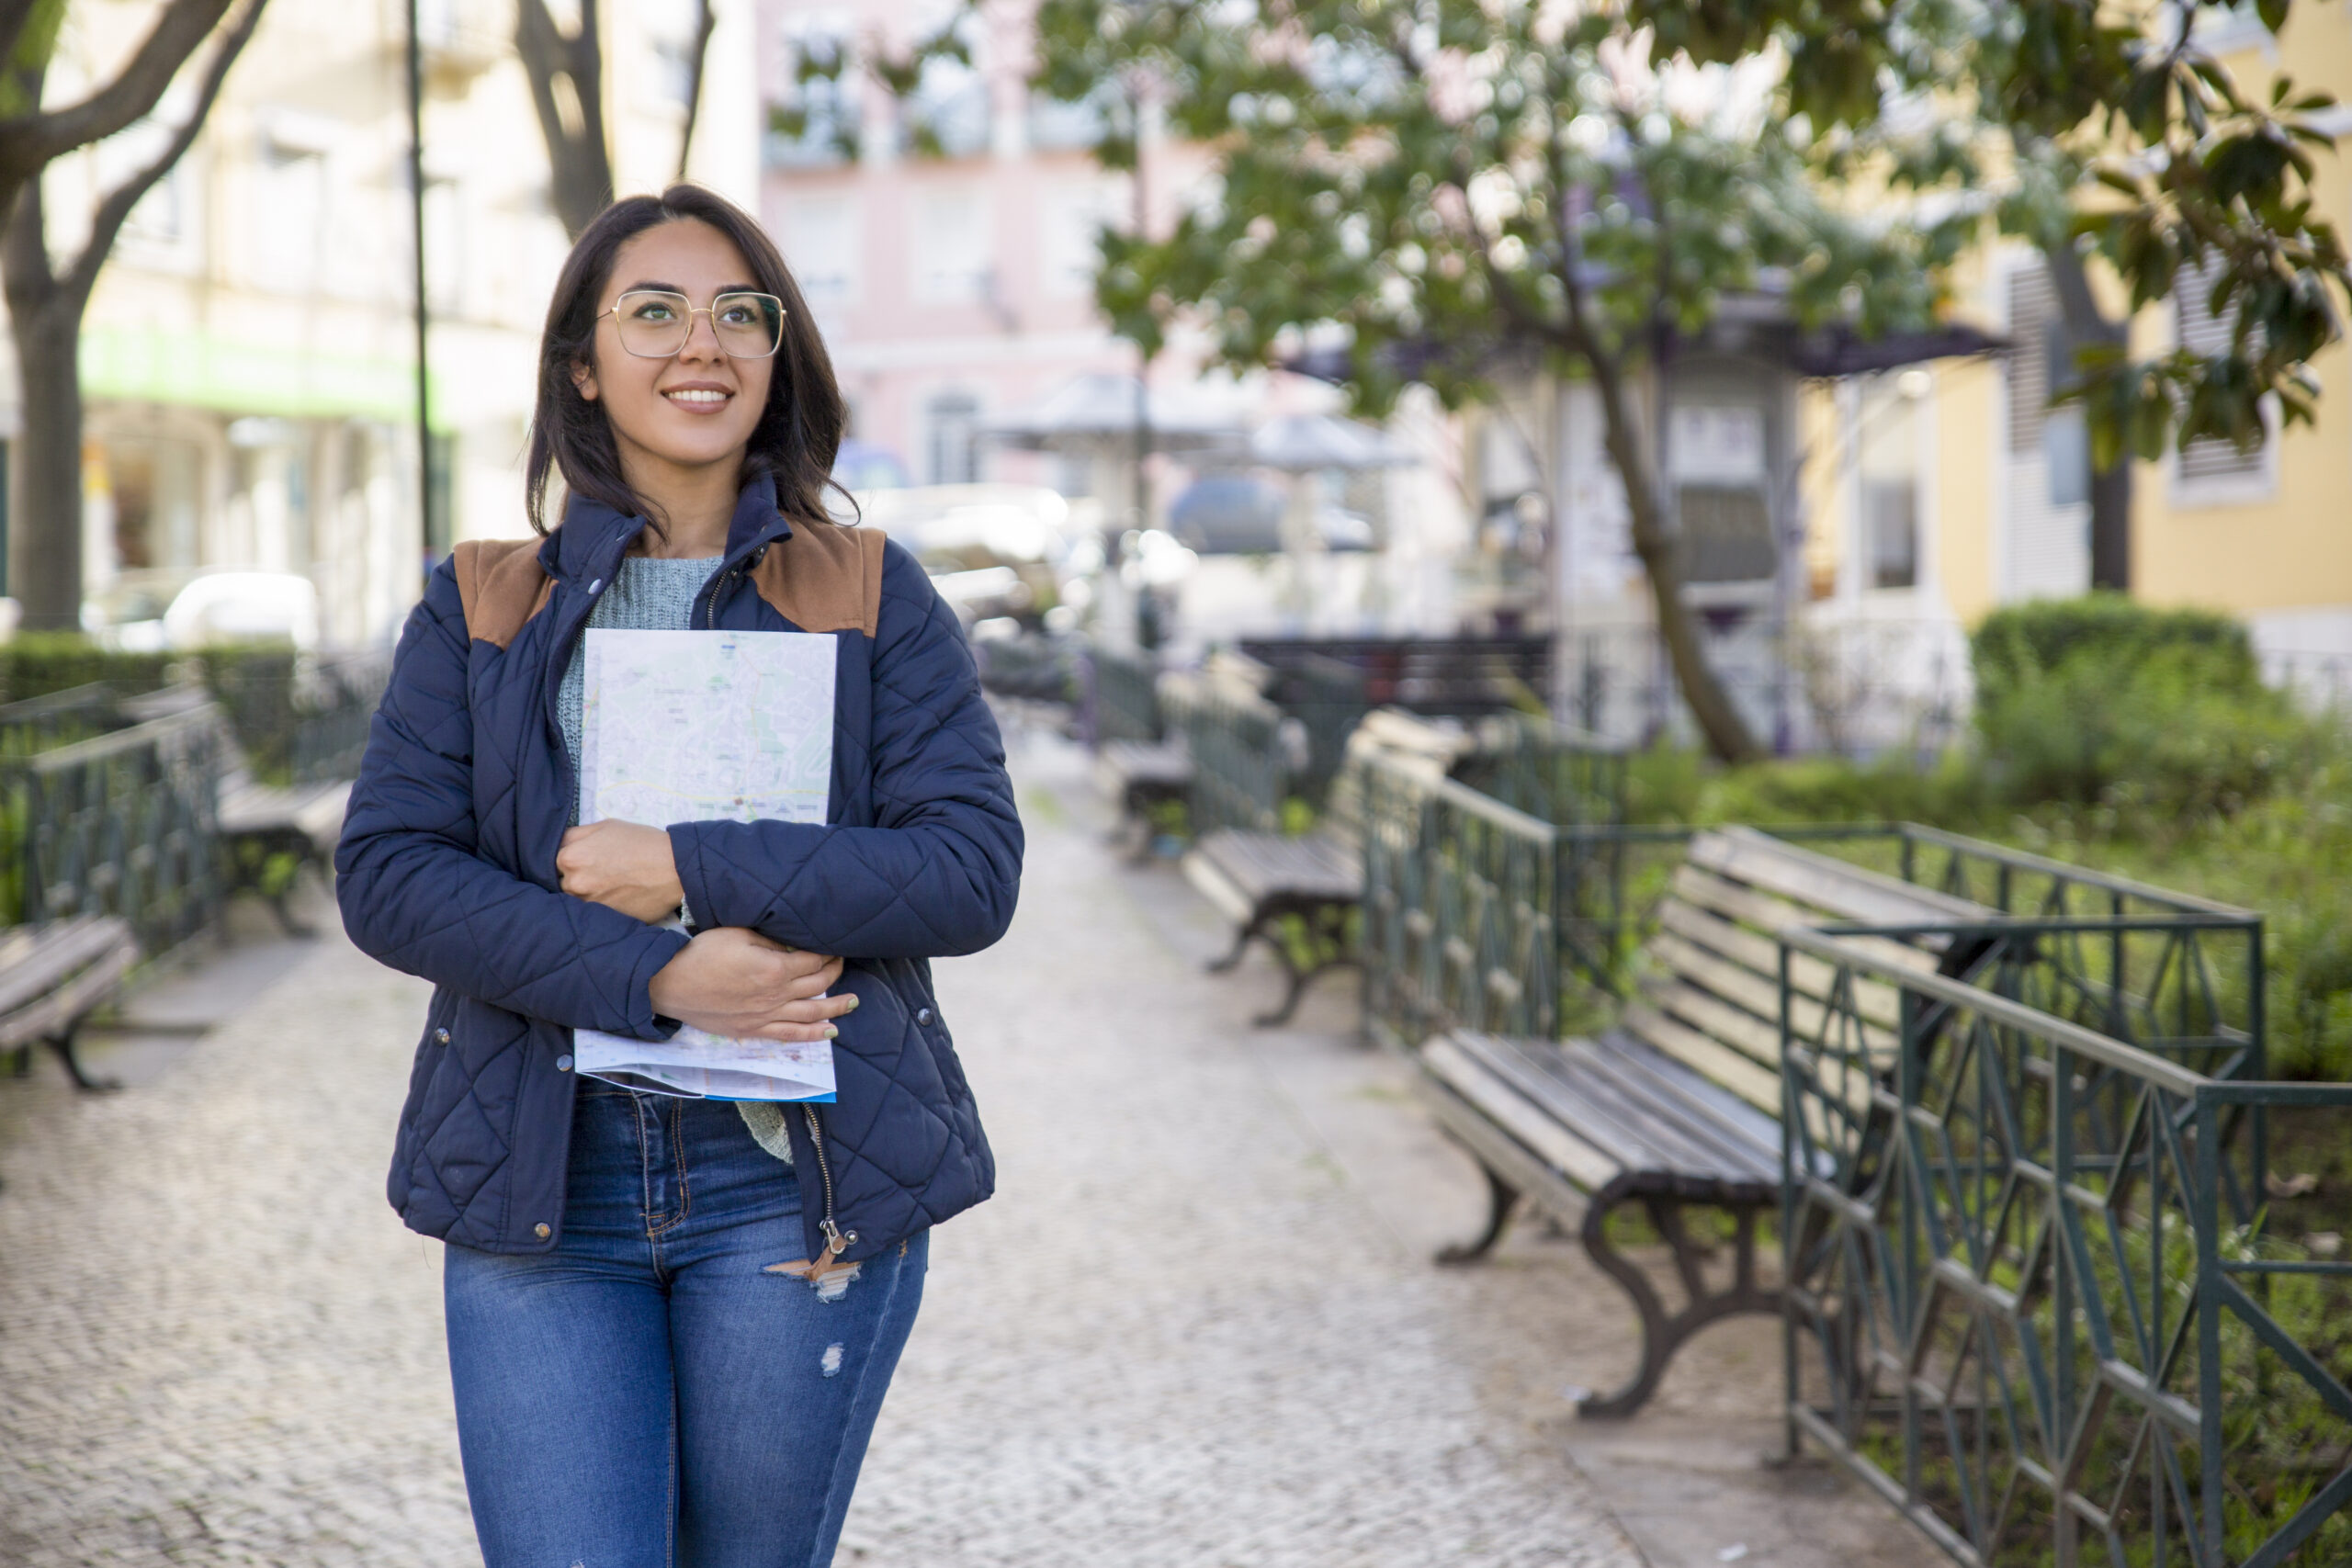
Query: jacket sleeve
point(416, 896)
point(938, 873)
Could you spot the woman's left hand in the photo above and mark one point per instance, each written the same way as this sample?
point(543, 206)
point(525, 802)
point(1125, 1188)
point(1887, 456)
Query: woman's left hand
point(622, 865)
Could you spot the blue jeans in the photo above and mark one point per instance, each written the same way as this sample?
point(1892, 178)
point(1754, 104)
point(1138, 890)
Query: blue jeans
point(658, 1390)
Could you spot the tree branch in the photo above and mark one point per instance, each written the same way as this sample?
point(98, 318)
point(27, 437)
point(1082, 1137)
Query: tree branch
point(579, 163)
point(706, 23)
point(29, 140)
point(106, 224)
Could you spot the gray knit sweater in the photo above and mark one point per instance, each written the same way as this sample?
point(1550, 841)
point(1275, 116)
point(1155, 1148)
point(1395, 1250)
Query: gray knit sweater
point(651, 595)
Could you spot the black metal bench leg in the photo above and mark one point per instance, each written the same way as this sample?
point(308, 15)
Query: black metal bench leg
point(64, 1045)
point(1664, 1333)
point(1655, 1351)
point(281, 905)
point(1326, 933)
point(1241, 940)
point(1501, 1199)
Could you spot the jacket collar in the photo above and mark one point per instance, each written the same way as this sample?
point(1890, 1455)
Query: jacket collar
point(590, 541)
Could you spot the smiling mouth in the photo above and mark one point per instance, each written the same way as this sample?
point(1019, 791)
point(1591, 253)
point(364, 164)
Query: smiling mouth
point(697, 397)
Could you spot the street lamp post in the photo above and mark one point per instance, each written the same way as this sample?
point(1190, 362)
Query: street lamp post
point(416, 224)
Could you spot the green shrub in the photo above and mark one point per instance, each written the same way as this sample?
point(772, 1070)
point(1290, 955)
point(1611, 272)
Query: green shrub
point(34, 664)
point(2158, 716)
point(2016, 644)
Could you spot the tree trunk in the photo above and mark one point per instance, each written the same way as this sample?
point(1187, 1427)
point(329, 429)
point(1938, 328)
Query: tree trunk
point(2111, 489)
point(1710, 705)
point(45, 513)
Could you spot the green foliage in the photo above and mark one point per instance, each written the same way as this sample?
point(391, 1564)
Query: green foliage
point(34, 664)
point(2160, 715)
point(2019, 643)
point(2108, 130)
point(1428, 185)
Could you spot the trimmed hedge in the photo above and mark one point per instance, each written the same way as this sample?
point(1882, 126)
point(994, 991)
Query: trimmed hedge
point(33, 664)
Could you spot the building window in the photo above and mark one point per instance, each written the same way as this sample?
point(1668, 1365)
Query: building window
point(952, 423)
point(1887, 462)
point(820, 241)
point(1717, 454)
point(947, 113)
point(950, 248)
point(817, 124)
point(2212, 461)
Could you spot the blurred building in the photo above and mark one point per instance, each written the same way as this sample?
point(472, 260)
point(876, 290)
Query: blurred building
point(946, 241)
point(1936, 495)
point(248, 358)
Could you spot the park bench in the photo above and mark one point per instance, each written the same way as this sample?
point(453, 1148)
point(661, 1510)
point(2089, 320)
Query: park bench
point(53, 978)
point(262, 824)
point(1262, 879)
point(1137, 766)
point(1678, 1106)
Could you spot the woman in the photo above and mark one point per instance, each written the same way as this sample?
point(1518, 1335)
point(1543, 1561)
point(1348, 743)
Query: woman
point(672, 1321)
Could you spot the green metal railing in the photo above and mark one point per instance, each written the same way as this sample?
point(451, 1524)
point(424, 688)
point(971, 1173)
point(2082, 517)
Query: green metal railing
point(1121, 703)
point(1241, 769)
point(2029, 1297)
point(119, 824)
point(1327, 697)
point(1459, 909)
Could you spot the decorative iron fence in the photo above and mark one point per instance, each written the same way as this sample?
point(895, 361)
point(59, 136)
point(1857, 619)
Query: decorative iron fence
point(1119, 701)
point(2030, 1299)
point(1241, 767)
point(300, 718)
point(1463, 677)
point(119, 824)
point(1459, 909)
point(1327, 697)
point(2167, 971)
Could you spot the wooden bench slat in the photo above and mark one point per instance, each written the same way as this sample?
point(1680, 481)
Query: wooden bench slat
point(1579, 1161)
point(50, 1013)
point(1874, 999)
point(1757, 995)
point(1761, 910)
point(1228, 896)
point(1660, 1080)
point(1706, 1056)
point(54, 952)
point(1850, 892)
point(1640, 1122)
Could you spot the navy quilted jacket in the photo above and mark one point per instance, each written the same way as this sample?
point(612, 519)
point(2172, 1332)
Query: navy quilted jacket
point(447, 870)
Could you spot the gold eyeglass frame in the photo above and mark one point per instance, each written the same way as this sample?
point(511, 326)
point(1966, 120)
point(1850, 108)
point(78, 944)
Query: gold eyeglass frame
point(693, 311)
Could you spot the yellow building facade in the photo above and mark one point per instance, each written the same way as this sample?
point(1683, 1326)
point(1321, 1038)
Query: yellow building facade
point(1938, 493)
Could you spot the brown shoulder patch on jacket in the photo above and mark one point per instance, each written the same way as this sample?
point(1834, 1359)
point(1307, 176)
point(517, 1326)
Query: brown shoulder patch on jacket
point(825, 577)
point(501, 585)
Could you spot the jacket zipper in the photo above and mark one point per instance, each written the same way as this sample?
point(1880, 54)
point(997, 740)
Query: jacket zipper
point(837, 1241)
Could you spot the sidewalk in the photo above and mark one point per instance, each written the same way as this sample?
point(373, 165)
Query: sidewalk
point(1197, 1326)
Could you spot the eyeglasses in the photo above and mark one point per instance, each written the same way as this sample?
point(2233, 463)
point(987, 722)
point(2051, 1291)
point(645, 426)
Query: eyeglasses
point(654, 323)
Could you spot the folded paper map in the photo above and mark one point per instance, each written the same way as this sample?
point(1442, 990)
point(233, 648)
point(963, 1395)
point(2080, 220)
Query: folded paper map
point(703, 726)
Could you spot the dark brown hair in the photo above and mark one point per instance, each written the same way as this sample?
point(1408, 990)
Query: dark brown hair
point(800, 431)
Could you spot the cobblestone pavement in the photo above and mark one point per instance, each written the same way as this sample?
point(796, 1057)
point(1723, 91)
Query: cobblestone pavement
point(1196, 1327)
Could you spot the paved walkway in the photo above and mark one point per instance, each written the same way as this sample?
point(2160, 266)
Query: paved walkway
point(1197, 1328)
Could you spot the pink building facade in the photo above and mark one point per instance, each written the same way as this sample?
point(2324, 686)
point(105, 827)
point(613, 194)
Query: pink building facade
point(946, 241)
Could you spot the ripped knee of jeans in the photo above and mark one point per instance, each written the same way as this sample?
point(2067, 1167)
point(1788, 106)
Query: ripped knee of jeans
point(830, 1281)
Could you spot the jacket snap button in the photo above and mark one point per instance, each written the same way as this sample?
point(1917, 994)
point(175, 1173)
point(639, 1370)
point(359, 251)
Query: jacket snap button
point(440, 1037)
point(563, 1063)
point(923, 1016)
point(595, 583)
point(540, 1230)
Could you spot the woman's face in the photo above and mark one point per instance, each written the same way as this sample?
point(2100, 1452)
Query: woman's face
point(698, 407)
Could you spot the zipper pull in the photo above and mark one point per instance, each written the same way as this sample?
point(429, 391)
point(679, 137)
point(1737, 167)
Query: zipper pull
point(835, 1242)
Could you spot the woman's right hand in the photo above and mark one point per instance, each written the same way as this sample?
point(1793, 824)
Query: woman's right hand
point(737, 983)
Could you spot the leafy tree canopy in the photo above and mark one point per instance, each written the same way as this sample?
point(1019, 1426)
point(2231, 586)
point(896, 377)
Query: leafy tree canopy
point(2108, 126)
point(1439, 181)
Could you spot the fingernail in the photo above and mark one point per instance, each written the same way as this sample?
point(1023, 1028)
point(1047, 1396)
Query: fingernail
point(830, 1032)
point(853, 1002)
